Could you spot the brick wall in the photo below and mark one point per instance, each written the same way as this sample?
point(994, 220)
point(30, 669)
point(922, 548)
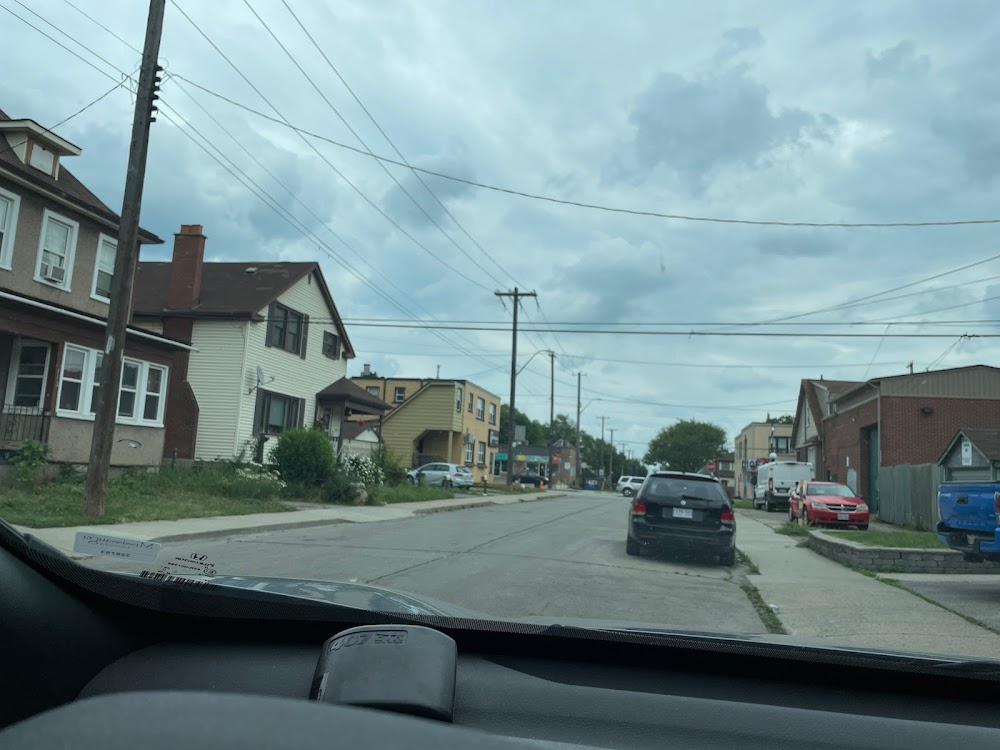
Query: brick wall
point(844, 438)
point(910, 437)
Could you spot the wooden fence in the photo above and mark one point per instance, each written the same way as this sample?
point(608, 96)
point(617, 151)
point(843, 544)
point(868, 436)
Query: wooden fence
point(907, 494)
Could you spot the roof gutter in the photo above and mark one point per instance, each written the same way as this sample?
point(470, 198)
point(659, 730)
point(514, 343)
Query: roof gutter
point(96, 321)
point(151, 239)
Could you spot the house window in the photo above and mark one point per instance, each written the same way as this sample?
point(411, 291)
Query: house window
point(55, 250)
point(458, 399)
point(399, 394)
point(331, 345)
point(480, 409)
point(468, 452)
point(26, 386)
point(9, 206)
point(104, 268)
point(493, 413)
point(472, 399)
point(286, 329)
point(141, 383)
point(278, 412)
point(481, 454)
point(374, 390)
point(781, 445)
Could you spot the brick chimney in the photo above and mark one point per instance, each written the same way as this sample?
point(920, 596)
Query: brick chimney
point(185, 270)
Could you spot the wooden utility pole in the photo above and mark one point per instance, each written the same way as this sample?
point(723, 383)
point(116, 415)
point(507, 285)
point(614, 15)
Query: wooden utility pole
point(601, 464)
point(516, 295)
point(579, 453)
point(552, 408)
point(611, 462)
point(126, 258)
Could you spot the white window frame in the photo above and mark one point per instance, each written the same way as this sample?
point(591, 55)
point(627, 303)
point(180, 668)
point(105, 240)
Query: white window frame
point(459, 400)
point(14, 374)
point(7, 245)
point(468, 453)
point(480, 408)
point(74, 234)
point(481, 453)
point(101, 239)
point(493, 413)
point(84, 409)
point(374, 390)
point(399, 394)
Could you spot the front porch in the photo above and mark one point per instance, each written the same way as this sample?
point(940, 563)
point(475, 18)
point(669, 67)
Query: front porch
point(352, 418)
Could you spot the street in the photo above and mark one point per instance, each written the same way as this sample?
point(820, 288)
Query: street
point(562, 557)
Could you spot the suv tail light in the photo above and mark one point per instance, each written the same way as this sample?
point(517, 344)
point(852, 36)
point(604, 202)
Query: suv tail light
point(638, 508)
point(996, 504)
point(770, 484)
point(727, 517)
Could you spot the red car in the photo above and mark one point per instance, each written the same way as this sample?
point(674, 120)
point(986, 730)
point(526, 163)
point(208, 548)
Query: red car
point(828, 503)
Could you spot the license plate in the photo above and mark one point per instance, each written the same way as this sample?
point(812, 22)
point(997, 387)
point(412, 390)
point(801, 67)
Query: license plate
point(683, 513)
point(843, 516)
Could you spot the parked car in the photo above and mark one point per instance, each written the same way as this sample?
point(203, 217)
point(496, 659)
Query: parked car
point(628, 486)
point(776, 480)
point(828, 504)
point(969, 522)
point(530, 477)
point(444, 475)
point(679, 511)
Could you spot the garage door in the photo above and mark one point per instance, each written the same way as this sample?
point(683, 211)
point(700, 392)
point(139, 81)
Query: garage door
point(970, 474)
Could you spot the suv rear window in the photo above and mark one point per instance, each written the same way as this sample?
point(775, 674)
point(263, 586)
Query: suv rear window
point(464, 470)
point(663, 488)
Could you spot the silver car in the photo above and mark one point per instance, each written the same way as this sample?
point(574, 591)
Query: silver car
point(628, 486)
point(442, 475)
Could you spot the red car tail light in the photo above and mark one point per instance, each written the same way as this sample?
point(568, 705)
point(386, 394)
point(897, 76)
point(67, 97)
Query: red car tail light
point(638, 508)
point(727, 517)
point(770, 484)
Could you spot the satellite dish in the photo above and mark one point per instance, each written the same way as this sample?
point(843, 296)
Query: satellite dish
point(260, 375)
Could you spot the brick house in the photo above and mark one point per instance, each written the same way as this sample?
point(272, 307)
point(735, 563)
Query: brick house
point(904, 419)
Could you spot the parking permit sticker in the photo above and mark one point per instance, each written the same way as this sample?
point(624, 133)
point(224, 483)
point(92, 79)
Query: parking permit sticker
point(118, 547)
point(193, 564)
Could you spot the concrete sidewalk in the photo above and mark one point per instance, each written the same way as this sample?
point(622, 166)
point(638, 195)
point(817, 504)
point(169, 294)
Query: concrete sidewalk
point(820, 599)
point(219, 526)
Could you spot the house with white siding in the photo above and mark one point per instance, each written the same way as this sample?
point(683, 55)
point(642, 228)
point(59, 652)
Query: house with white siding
point(267, 345)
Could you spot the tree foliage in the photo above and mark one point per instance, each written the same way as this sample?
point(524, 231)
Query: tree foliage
point(783, 419)
point(687, 445)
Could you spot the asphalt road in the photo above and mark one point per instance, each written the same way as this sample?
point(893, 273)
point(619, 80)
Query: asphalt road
point(555, 558)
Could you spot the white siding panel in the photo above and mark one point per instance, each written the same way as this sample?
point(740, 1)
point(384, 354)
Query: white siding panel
point(293, 375)
point(215, 375)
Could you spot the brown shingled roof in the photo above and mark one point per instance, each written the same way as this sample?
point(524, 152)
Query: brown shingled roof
point(344, 388)
point(65, 186)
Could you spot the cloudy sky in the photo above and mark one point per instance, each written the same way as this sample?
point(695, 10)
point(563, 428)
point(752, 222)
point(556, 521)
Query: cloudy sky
point(818, 112)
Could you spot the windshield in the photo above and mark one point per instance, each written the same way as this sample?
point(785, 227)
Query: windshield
point(834, 490)
point(423, 292)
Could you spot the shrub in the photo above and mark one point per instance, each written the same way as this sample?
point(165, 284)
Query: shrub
point(392, 468)
point(338, 487)
point(303, 456)
point(29, 459)
point(365, 471)
point(70, 474)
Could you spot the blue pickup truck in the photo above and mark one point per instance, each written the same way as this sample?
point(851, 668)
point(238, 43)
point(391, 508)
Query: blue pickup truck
point(968, 513)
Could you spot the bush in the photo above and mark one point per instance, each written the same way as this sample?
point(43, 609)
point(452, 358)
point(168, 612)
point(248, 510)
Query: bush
point(303, 456)
point(29, 459)
point(392, 468)
point(220, 479)
point(339, 488)
point(365, 471)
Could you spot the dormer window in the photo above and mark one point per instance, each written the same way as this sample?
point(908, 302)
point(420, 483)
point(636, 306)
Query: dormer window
point(36, 146)
point(42, 159)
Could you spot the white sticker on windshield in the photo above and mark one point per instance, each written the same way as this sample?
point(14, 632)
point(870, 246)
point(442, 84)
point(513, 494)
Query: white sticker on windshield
point(115, 546)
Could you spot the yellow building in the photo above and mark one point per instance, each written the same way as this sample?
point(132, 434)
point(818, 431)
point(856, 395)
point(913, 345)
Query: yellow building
point(756, 442)
point(453, 421)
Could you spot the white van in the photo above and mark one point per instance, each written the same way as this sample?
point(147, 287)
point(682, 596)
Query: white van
point(776, 480)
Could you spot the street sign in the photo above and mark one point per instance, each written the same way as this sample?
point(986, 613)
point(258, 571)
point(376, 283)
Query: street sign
point(710, 466)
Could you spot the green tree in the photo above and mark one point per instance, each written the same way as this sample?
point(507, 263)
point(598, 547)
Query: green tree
point(687, 445)
point(783, 419)
point(534, 431)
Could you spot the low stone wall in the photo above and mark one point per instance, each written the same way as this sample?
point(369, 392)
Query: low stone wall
point(896, 560)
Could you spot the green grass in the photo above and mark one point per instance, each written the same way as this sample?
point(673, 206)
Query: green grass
point(408, 493)
point(793, 529)
point(766, 614)
point(167, 495)
point(751, 566)
point(913, 539)
point(743, 504)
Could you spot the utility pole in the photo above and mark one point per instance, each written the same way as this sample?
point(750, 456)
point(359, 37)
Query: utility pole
point(516, 295)
point(552, 407)
point(126, 257)
point(579, 453)
point(910, 365)
point(611, 462)
point(601, 464)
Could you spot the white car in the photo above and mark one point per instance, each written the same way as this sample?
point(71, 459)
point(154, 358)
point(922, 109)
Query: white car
point(628, 486)
point(443, 475)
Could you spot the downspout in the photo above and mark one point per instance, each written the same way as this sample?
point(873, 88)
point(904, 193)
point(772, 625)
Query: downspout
point(239, 407)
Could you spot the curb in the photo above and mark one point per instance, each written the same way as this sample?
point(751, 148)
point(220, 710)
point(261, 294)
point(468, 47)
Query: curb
point(895, 559)
point(483, 504)
point(246, 530)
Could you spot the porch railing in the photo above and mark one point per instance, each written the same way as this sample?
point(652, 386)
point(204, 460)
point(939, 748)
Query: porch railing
point(20, 423)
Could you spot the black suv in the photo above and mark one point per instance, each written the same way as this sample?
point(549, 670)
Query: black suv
point(679, 511)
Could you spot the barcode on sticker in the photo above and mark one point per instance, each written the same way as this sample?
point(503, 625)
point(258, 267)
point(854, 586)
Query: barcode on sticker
point(168, 578)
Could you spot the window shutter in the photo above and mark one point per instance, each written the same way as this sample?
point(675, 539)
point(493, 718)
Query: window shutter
point(304, 338)
point(300, 411)
point(271, 314)
point(259, 412)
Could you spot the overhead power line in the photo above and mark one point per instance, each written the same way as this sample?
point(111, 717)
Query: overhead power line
point(686, 324)
point(116, 36)
point(597, 206)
